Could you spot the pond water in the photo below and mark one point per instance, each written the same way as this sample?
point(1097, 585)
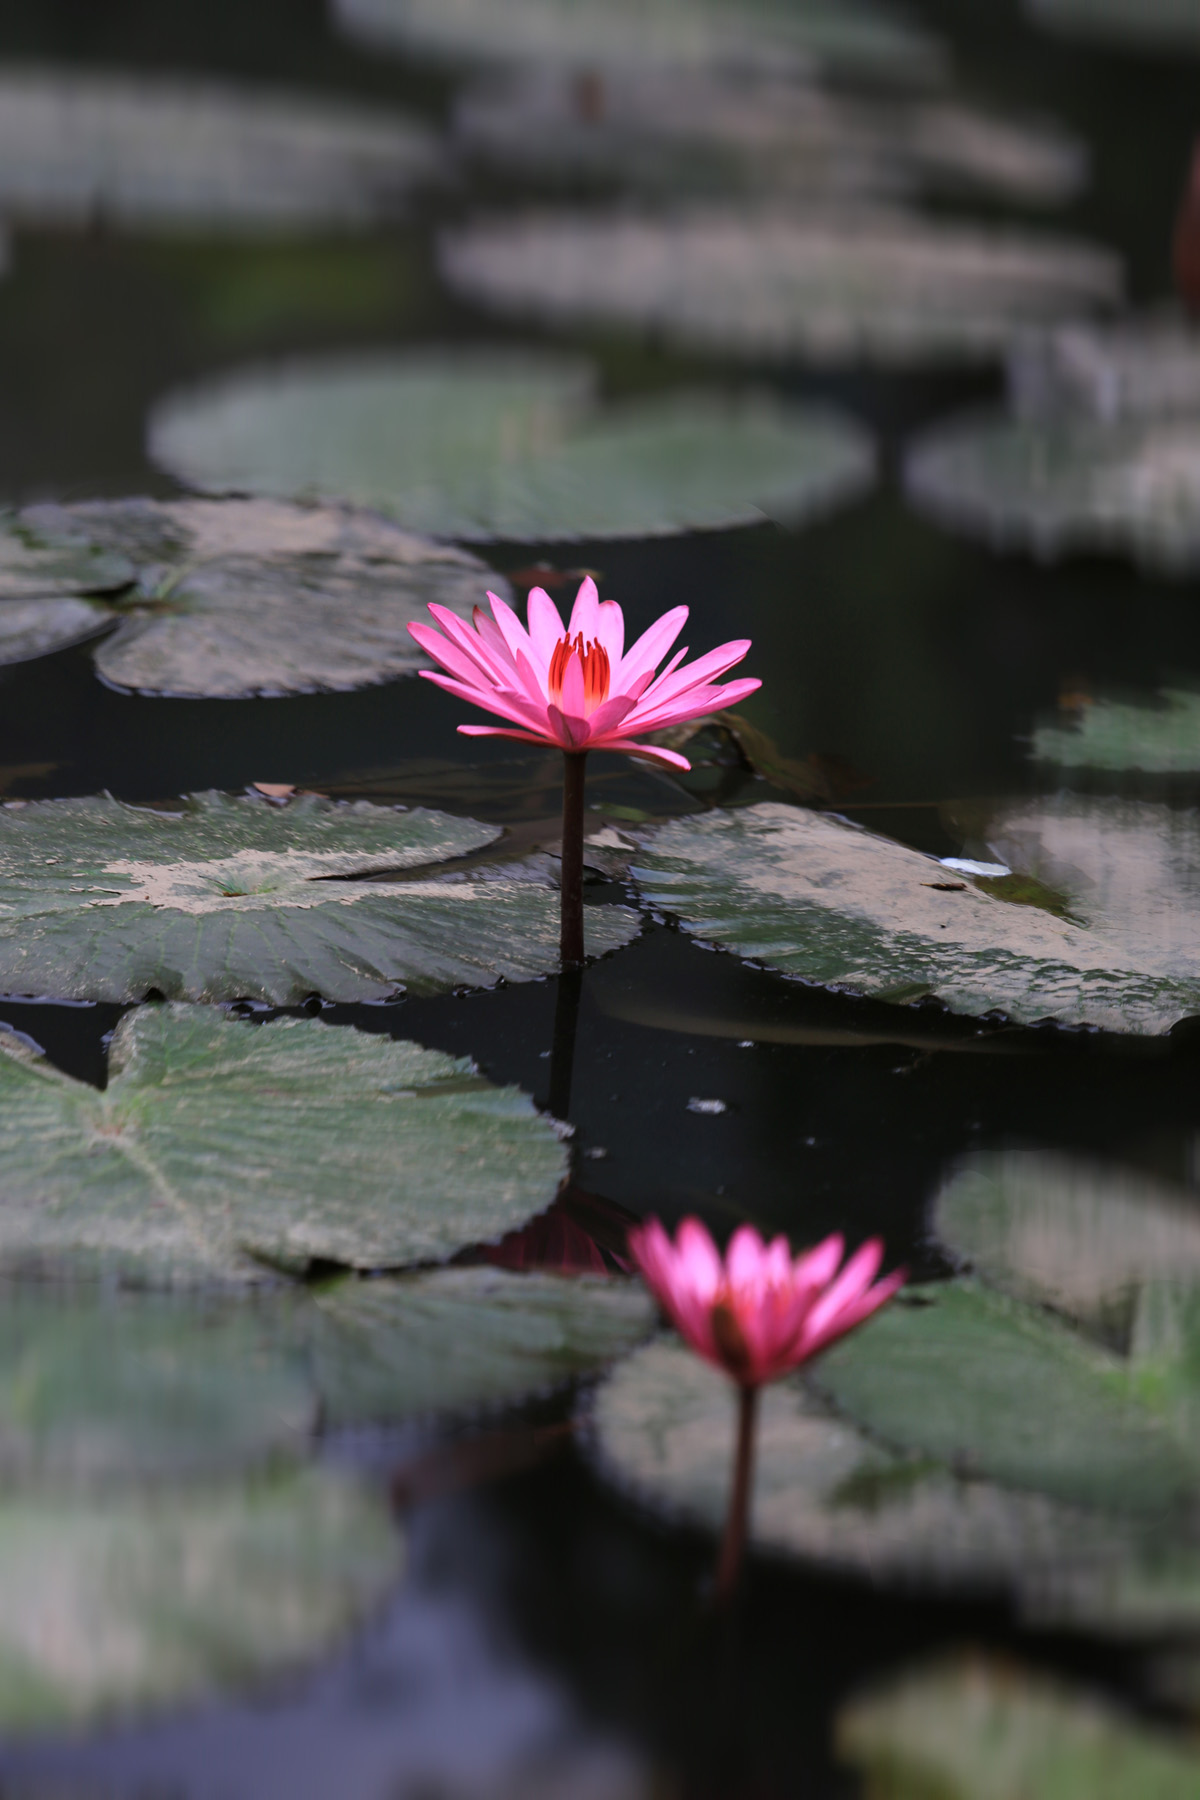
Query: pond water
point(550, 1636)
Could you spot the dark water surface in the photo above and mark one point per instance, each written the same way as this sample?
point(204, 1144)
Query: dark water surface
point(547, 1641)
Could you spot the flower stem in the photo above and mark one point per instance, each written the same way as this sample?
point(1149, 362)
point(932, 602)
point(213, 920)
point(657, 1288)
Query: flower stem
point(729, 1567)
point(571, 939)
point(562, 1054)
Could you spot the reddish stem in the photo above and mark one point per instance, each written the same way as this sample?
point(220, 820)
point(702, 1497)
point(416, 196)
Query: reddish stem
point(729, 1566)
point(571, 939)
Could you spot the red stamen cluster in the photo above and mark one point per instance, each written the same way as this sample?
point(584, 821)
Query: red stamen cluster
point(593, 661)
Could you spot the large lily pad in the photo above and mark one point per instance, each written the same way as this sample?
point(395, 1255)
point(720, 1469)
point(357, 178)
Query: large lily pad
point(1108, 940)
point(224, 1151)
point(706, 131)
point(464, 1338)
point(128, 1602)
point(855, 36)
point(172, 154)
point(662, 1428)
point(967, 1729)
point(1083, 1238)
point(232, 598)
point(830, 286)
point(1154, 24)
point(236, 898)
point(479, 445)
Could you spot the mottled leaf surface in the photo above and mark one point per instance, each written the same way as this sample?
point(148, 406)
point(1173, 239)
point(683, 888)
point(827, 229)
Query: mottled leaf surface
point(221, 1151)
point(238, 898)
point(118, 1604)
point(827, 902)
point(475, 446)
point(832, 286)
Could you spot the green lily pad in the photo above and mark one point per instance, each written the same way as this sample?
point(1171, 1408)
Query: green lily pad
point(224, 1151)
point(464, 1338)
point(968, 1729)
point(107, 1388)
point(479, 445)
point(1083, 1238)
point(1112, 734)
point(123, 1603)
point(827, 902)
point(238, 898)
point(175, 154)
point(1156, 25)
point(233, 597)
point(852, 36)
point(710, 130)
point(662, 1427)
point(831, 286)
point(977, 1382)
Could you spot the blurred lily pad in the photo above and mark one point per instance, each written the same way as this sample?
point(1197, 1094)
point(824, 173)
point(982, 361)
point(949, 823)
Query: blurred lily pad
point(1156, 25)
point(234, 597)
point(122, 1388)
point(968, 1729)
point(711, 130)
point(1146, 367)
point(465, 1338)
point(479, 445)
point(1163, 739)
point(174, 154)
point(1081, 1237)
point(244, 898)
point(118, 1604)
point(853, 36)
point(224, 1151)
point(825, 901)
point(829, 286)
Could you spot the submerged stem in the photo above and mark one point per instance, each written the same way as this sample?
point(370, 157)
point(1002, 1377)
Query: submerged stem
point(571, 939)
point(729, 1566)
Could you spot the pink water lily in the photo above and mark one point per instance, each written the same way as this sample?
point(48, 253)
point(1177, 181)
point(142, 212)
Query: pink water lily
point(759, 1312)
point(576, 686)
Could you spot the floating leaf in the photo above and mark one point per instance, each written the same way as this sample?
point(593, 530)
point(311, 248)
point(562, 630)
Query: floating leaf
point(711, 130)
point(1078, 1236)
point(222, 1150)
point(1156, 24)
point(242, 898)
point(1113, 734)
point(122, 1603)
point(850, 35)
point(968, 1729)
point(832, 286)
point(479, 445)
point(1144, 368)
point(823, 900)
point(459, 1338)
point(982, 1384)
point(172, 154)
point(125, 1387)
point(236, 597)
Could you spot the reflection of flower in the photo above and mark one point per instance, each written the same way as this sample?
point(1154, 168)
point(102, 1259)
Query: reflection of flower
point(578, 688)
point(759, 1313)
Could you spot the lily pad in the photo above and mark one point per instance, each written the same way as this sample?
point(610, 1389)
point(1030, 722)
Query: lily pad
point(1155, 25)
point(479, 445)
point(240, 898)
point(662, 1427)
point(852, 36)
point(107, 1388)
point(1083, 1238)
point(706, 131)
point(224, 1151)
point(827, 902)
point(176, 154)
point(1142, 368)
point(1122, 736)
point(969, 1729)
point(234, 597)
point(455, 1339)
point(831, 286)
point(118, 1604)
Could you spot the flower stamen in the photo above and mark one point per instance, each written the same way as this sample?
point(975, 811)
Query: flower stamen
point(594, 666)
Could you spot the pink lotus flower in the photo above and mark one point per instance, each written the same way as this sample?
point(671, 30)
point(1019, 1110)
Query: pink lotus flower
point(578, 688)
point(759, 1313)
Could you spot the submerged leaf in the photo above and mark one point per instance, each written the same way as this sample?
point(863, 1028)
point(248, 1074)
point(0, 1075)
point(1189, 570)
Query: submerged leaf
point(225, 1151)
point(478, 445)
point(114, 1605)
point(818, 898)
